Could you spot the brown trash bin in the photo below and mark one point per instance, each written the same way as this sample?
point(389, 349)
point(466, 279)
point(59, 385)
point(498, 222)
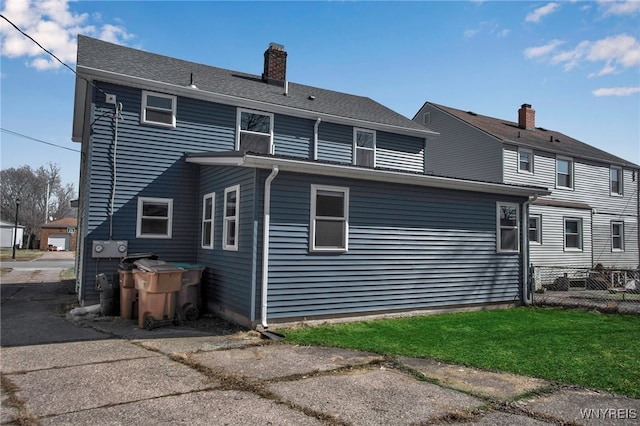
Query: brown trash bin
point(188, 298)
point(157, 283)
point(128, 291)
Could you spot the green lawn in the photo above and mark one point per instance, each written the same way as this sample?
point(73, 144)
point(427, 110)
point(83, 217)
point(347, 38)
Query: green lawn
point(6, 255)
point(570, 346)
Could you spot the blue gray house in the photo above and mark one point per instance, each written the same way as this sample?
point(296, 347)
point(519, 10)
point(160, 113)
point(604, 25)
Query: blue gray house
point(301, 202)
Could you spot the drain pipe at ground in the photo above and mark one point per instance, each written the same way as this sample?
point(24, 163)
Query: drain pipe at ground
point(526, 294)
point(265, 242)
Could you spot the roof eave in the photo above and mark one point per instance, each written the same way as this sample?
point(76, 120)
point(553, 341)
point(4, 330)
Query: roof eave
point(143, 83)
point(353, 172)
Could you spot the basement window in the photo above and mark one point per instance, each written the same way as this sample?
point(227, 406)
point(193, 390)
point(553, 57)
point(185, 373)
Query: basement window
point(158, 109)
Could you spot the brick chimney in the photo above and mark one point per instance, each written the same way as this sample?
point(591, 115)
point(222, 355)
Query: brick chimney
point(527, 117)
point(275, 65)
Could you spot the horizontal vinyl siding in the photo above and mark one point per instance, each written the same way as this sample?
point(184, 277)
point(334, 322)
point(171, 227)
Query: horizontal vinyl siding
point(460, 150)
point(399, 152)
point(551, 252)
point(229, 275)
point(293, 137)
point(409, 248)
point(335, 143)
point(602, 252)
point(150, 163)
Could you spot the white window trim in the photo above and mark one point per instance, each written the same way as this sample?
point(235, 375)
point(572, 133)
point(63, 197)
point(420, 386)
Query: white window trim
point(226, 219)
point(212, 196)
point(356, 148)
point(527, 151)
point(620, 182)
point(538, 229)
point(313, 217)
point(141, 201)
point(572, 173)
point(143, 113)
point(621, 223)
point(580, 234)
point(499, 228)
point(239, 130)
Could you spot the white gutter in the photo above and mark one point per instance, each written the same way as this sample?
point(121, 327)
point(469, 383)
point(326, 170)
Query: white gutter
point(526, 295)
point(315, 138)
point(265, 242)
point(174, 89)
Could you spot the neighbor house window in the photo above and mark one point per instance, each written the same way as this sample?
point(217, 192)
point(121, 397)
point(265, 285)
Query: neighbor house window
point(564, 173)
point(329, 218)
point(525, 161)
point(158, 109)
point(508, 219)
point(616, 180)
point(154, 217)
point(255, 132)
point(617, 236)
point(364, 147)
point(208, 209)
point(535, 229)
point(231, 218)
point(572, 234)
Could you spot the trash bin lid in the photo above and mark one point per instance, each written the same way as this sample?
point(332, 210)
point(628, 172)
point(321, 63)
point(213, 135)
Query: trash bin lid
point(150, 265)
point(188, 265)
point(127, 263)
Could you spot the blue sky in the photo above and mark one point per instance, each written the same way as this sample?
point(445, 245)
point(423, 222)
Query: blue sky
point(576, 62)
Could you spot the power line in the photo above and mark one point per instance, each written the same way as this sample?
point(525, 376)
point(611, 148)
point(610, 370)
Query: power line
point(38, 140)
point(49, 53)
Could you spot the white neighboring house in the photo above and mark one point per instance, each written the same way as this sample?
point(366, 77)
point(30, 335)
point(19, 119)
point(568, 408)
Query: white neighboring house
point(591, 215)
point(7, 234)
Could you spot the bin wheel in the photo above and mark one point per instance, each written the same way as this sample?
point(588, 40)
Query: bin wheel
point(149, 323)
point(192, 313)
point(177, 320)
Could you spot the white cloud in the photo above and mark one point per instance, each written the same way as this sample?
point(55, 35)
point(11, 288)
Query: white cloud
point(615, 7)
point(616, 91)
point(54, 26)
point(538, 51)
point(615, 53)
point(541, 12)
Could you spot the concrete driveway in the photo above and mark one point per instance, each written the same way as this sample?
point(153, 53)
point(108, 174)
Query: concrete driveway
point(106, 371)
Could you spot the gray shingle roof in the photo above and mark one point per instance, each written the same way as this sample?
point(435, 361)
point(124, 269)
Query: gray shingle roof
point(125, 61)
point(540, 138)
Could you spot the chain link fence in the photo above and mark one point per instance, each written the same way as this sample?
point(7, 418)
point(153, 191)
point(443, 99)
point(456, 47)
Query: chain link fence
point(607, 290)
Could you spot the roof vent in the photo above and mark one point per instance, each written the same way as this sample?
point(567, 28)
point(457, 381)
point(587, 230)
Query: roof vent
point(472, 113)
point(311, 97)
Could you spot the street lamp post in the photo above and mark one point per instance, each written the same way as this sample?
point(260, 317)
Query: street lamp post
point(15, 230)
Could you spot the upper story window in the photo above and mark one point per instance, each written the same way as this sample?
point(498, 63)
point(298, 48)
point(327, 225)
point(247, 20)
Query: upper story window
point(535, 229)
point(255, 132)
point(208, 209)
point(155, 216)
point(564, 173)
point(572, 234)
point(231, 218)
point(616, 180)
point(508, 218)
point(364, 147)
point(329, 220)
point(617, 236)
point(158, 109)
point(525, 161)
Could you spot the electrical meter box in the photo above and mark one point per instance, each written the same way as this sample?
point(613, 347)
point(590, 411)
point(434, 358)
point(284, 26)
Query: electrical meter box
point(109, 249)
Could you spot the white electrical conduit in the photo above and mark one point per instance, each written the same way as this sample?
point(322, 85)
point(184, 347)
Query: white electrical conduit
point(265, 242)
point(315, 138)
point(115, 179)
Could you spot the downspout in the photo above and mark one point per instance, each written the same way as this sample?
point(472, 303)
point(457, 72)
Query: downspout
point(526, 294)
point(315, 138)
point(265, 242)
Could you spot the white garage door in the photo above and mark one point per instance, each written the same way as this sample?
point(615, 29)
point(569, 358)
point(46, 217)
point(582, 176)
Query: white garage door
point(59, 242)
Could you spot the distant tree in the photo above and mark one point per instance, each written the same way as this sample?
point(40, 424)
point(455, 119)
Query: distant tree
point(30, 186)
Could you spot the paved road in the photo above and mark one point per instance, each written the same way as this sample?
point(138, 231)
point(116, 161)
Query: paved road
point(48, 260)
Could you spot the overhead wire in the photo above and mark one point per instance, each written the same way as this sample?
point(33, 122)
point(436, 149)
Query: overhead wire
point(38, 140)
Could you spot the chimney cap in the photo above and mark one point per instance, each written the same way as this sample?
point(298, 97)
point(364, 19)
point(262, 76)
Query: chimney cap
point(526, 106)
point(276, 46)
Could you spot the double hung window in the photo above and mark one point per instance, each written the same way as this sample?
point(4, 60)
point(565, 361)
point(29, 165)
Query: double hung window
point(616, 180)
point(617, 236)
point(525, 161)
point(158, 109)
point(564, 173)
point(364, 147)
point(208, 209)
point(535, 229)
point(329, 220)
point(231, 218)
point(255, 132)
point(155, 217)
point(508, 218)
point(572, 234)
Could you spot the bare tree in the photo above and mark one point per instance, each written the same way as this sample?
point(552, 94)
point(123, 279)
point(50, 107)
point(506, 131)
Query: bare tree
point(30, 187)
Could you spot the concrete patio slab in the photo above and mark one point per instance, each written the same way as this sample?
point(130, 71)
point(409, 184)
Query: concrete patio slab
point(375, 397)
point(188, 345)
point(487, 384)
point(274, 361)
